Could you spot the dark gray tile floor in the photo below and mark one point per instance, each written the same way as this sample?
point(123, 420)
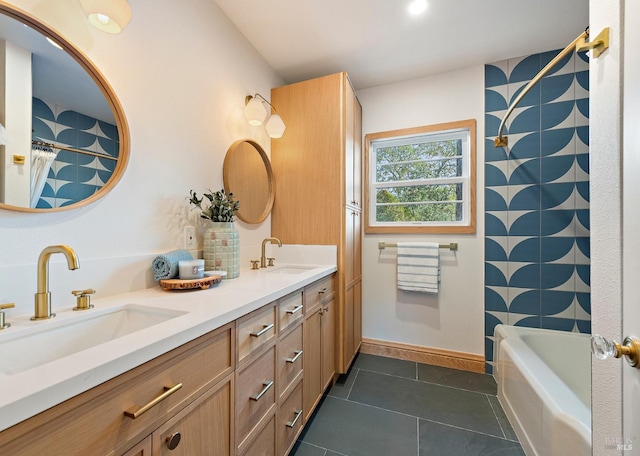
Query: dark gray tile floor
point(390, 407)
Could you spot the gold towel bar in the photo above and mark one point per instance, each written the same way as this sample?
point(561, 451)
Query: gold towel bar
point(452, 246)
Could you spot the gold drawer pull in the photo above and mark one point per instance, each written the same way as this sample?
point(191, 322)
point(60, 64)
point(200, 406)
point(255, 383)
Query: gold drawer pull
point(262, 331)
point(291, 424)
point(323, 291)
point(168, 391)
point(266, 385)
point(295, 309)
point(295, 358)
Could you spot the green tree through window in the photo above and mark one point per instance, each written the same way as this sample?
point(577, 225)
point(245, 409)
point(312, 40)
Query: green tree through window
point(421, 179)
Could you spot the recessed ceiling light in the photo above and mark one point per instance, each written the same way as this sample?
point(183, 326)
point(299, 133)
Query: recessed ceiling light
point(417, 7)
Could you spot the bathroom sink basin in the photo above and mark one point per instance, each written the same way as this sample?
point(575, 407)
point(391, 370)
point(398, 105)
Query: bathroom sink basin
point(57, 339)
point(291, 269)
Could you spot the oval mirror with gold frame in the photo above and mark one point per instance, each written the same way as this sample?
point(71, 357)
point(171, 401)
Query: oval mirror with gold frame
point(247, 174)
point(103, 152)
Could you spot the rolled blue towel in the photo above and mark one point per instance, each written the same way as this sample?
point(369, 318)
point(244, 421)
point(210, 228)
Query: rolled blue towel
point(166, 266)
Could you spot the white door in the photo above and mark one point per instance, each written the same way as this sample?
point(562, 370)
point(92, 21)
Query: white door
point(631, 224)
point(615, 223)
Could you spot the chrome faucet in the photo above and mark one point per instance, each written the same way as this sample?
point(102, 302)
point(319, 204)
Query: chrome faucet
point(263, 259)
point(43, 296)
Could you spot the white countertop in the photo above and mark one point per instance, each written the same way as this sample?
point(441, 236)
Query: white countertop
point(32, 391)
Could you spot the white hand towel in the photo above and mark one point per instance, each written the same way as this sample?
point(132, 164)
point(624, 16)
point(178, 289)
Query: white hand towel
point(418, 266)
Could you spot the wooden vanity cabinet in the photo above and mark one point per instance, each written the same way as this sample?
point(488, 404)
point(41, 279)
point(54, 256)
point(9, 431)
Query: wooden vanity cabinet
point(243, 389)
point(319, 343)
point(290, 358)
point(269, 379)
point(255, 396)
point(204, 427)
point(317, 166)
point(94, 422)
point(289, 421)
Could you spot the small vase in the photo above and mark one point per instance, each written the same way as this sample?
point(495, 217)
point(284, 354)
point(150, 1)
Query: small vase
point(222, 249)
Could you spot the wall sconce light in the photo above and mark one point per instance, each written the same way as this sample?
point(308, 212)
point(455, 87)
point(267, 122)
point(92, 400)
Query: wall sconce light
point(110, 16)
point(3, 135)
point(256, 113)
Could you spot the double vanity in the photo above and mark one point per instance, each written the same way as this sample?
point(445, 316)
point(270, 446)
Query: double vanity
point(228, 370)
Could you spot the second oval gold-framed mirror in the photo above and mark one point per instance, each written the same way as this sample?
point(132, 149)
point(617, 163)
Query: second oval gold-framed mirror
point(247, 174)
point(86, 144)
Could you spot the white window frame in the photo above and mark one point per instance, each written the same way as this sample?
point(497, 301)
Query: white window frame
point(464, 130)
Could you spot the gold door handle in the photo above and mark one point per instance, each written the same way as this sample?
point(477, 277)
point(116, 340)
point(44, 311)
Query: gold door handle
point(603, 348)
point(168, 391)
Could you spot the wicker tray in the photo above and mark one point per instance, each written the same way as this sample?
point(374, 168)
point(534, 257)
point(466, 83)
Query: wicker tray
point(177, 284)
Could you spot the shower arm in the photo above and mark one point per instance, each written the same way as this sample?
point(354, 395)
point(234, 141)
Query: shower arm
point(579, 44)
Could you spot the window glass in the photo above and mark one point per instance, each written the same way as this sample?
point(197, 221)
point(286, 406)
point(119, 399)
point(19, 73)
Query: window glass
point(421, 179)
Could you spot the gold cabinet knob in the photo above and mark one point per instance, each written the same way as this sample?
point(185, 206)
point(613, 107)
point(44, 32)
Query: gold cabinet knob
point(173, 441)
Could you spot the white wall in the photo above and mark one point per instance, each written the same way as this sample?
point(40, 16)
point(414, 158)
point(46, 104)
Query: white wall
point(455, 319)
point(181, 72)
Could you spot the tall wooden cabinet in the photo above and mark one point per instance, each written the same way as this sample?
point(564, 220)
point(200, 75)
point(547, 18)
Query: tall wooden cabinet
point(317, 167)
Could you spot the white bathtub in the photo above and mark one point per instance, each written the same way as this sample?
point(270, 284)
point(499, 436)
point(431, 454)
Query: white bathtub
point(544, 387)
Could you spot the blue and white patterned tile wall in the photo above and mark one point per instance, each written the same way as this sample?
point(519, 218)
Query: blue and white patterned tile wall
point(73, 176)
point(537, 264)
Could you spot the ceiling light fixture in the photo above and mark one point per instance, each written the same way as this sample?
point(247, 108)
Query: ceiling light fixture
point(417, 7)
point(110, 16)
point(257, 113)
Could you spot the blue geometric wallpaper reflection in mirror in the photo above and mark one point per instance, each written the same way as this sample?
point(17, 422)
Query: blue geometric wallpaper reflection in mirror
point(73, 176)
point(537, 267)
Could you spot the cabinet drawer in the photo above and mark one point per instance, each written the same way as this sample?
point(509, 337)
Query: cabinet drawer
point(94, 422)
point(255, 330)
point(256, 393)
point(289, 359)
point(289, 420)
point(290, 311)
point(265, 442)
point(318, 292)
point(202, 428)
